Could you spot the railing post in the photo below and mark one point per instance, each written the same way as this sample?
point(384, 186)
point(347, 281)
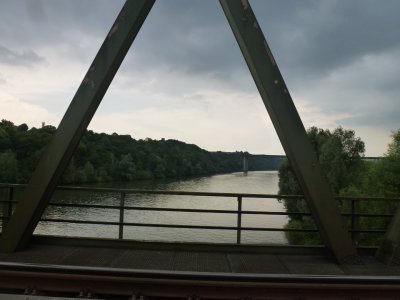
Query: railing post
point(239, 220)
point(354, 220)
point(121, 216)
point(7, 206)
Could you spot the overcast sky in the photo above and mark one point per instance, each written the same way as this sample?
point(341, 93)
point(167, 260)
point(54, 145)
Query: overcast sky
point(184, 77)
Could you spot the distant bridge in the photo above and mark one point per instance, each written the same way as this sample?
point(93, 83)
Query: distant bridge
point(372, 158)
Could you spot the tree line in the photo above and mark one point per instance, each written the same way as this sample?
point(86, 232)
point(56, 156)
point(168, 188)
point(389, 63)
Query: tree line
point(102, 157)
point(340, 154)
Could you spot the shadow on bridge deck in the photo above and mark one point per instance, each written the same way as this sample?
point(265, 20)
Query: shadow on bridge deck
point(193, 258)
point(176, 271)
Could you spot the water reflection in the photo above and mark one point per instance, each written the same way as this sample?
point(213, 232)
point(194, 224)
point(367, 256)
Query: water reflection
point(254, 182)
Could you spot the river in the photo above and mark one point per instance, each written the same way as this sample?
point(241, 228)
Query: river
point(262, 182)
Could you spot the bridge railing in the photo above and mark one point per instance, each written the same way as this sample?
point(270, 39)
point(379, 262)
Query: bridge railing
point(351, 210)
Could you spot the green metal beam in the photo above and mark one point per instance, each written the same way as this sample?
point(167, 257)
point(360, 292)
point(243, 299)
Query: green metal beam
point(389, 251)
point(74, 123)
point(289, 127)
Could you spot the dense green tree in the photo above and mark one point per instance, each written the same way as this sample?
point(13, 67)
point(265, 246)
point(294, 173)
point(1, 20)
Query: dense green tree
point(388, 169)
point(69, 175)
point(23, 128)
point(80, 176)
point(8, 167)
point(380, 179)
point(340, 154)
point(125, 169)
point(90, 172)
point(100, 157)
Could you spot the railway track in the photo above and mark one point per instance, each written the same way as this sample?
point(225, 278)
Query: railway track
point(110, 283)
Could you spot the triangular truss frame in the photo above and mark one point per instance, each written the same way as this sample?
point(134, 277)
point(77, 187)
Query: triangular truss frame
point(273, 91)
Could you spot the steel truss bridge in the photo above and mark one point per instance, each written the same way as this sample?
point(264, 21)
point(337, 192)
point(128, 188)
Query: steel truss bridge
point(116, 268)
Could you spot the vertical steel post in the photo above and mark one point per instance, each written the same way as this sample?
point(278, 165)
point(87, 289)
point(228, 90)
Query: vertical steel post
point(354, 219)
point(74, 123)
point(121, 216)
point(289, 128)
point(7, 206)
point(239, 221)
point(3, 206)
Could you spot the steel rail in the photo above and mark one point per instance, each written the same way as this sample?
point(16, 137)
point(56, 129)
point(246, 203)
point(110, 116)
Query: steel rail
point(203, 285)
point(244, 277)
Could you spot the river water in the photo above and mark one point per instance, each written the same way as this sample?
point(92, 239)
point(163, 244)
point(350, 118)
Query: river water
point(262, 182)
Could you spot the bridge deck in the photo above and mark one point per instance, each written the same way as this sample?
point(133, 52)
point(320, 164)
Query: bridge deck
point(221, 261)
point(175, 271)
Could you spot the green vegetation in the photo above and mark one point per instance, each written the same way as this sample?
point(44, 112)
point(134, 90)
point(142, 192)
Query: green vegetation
point(341, 153)
point(104, 158)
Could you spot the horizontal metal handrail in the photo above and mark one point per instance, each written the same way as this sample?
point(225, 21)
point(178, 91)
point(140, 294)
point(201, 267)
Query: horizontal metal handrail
point(175, 225)
point(191, 210)
point(78, 205)
point(354, 215)
point(178, 193)
point(366, 215)
point(73, 221)
point(188, 193)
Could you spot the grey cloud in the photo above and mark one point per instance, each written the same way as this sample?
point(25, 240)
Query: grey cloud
point(381, 118)
point(309, 37)
point(36, 10)
point(48, 22)
point(26, 58)
point(192, 37)
point(315, 39)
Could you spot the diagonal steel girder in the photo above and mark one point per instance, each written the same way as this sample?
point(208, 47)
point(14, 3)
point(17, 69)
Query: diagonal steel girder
point(289, 128)
point(74, 123)
point(389, 250)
